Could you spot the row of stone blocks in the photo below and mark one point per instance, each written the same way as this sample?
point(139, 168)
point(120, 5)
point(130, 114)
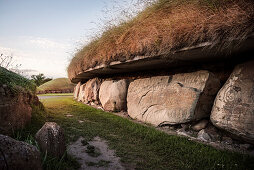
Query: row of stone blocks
point(181, 98)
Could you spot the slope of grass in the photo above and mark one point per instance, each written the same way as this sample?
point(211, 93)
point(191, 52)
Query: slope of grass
point(140, 146)
point(16, 82)
point(56, 85)
point(168, 25)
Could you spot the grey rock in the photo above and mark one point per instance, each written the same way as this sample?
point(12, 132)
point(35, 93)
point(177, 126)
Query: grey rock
point(51, 138)
point(202, 135)
point(245, 146)
point(227, 140)
point(113, 94)
point(18, 155)
point(234, 104)
point(176, 99)
point(91, 92)
point(76, 90)
point(81, 96)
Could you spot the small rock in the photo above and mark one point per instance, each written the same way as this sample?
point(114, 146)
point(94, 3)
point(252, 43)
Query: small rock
point(185, 126)
point(200, 125)
point(18, 155)
point(51, 138)
point(69, 115)
point(202, 135)
point(227, 140)
point(81, 121)
point(182, 132)
point(213, 132)
point(245, 146)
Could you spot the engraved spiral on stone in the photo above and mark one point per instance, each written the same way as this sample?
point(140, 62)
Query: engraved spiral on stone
point(229, 94)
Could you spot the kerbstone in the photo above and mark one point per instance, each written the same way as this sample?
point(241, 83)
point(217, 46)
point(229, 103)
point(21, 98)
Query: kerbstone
point(175, 99)
point(113, 94)
point(233, 108)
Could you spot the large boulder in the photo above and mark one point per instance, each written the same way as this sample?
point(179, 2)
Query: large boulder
point(172, 99)
point(18, 155)
point(15, 109)
point(233, 108)
point(91, 92)
point(76, 90)
point(51, 138)
point(81, 96)
point(113, 95)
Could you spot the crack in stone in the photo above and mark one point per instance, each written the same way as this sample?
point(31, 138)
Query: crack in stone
point(144, 96)
point(148, 109)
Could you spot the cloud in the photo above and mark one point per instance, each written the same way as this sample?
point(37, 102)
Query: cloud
point(12, 51)
point(47, 43)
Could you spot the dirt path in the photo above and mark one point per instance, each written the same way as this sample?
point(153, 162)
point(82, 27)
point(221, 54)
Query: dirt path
point(94, 155)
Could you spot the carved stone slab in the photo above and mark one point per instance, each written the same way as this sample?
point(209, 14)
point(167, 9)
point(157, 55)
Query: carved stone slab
point(233, 109)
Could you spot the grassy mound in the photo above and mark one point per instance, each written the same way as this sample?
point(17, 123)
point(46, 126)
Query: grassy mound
point(59, 84)
point(168, 25)
point(16, 82)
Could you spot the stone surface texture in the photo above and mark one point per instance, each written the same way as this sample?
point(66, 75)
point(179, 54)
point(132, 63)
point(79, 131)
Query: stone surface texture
point(91, 92)
point(113, 94)
point(18, 155)
point(51, 138)
point(175, 99)
point(15, 109)
point(81, 95)
point(233, 108)
point(76, 90)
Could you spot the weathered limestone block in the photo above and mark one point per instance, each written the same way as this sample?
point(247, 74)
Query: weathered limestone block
point(81, 96)
point(18, 155)
point(113, 95)
point(233, 108)
point(76, 90)
point(51, 138)
point(173, 99)
point(91, 93)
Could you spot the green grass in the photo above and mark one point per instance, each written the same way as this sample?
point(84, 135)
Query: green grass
point(56, 85)
point(16, 82)
point(39, 117)
point(138, 145)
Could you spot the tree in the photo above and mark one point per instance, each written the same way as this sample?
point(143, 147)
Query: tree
point(40, 79)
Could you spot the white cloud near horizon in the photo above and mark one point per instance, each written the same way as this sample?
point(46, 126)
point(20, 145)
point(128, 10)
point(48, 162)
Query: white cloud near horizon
point(43, 55)
point(47, 43)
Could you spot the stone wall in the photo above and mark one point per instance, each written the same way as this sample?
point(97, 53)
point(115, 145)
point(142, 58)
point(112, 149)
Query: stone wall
point(181, 98)
point(15, 109)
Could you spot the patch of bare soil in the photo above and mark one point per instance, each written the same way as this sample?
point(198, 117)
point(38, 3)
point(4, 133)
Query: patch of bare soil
point(94, 155)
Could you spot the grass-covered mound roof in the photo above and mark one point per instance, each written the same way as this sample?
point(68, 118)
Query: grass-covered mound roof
point(56, 85)
point(15, 82)
point(168, 25)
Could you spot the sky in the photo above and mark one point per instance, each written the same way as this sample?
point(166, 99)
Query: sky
point(43, 35)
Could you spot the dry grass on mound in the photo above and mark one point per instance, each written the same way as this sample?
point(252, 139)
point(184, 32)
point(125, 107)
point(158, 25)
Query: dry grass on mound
point(56, 85)
point(168, 25)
